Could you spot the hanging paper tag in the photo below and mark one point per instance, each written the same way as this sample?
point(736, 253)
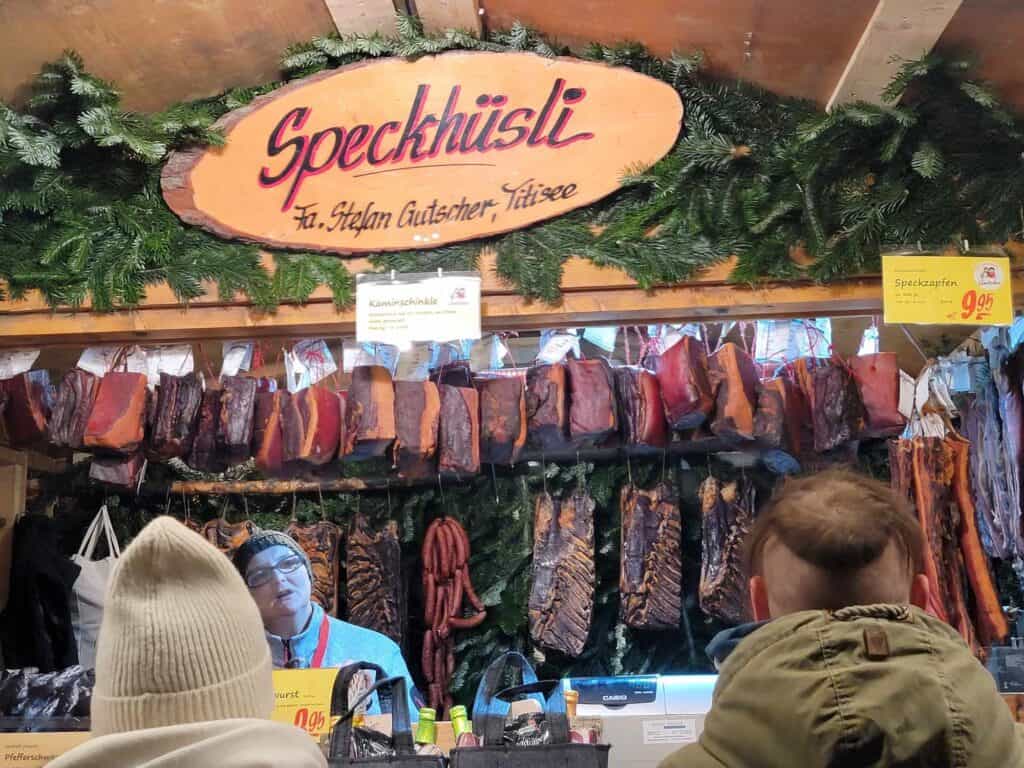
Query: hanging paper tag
point(773, 340)
point(296, 374)
point(480, 355)
point(499, 351)
point(316, 358)
point(869, 342)
point(100, 360)
point(603, 337)
point(17, 361)
point(907, 391)
point(556, 344)
point(174, 360)
point(354, 355)
point(237, 357)
point(414, 365)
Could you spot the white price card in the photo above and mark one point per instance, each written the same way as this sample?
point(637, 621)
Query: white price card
point(17, 361)
point(672, 731)
point(411, 308)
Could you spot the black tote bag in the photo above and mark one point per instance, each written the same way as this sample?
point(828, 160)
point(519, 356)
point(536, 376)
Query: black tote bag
point(491, 709)
point(391, 691)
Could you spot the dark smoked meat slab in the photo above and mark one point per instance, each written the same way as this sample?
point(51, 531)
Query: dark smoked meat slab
point(734, 376)
point(686, 392)
point(502, 419)
point(375, 587)
point(237, 408)
point(546, 406)
point(593, 411)
point(72, 406)
point(878, 381)
point(227, 537)
point(369, 413)
point(119, 471)
point(457, 374)
point(176, 407)
point(204, 456)
point(315, 414)
point(321, 541)
point(117, 420)
point(837, 411)
point(459, 452)
point(641, 415)
point(650, 581)
point(29, 399)
point(417, 418)
point(562, 593)
point(727, 515)
point(780, 416)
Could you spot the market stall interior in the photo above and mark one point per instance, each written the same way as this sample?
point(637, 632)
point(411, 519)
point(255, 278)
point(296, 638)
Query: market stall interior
point(515, 347)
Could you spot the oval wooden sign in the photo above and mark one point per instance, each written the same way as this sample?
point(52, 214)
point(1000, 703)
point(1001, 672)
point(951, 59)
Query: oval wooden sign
point(396, 154)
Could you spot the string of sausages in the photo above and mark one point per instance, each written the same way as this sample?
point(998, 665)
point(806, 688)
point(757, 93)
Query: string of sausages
point(446, 585)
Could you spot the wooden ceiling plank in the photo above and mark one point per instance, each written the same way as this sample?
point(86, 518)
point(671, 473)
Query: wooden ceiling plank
point(439, 15)
point(898, 30)
point(362, 17)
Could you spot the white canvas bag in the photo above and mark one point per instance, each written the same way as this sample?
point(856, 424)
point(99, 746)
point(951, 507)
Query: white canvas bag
point(90, 587)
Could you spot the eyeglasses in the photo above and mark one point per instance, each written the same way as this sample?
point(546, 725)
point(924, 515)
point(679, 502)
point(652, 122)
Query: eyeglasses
point(260, 576)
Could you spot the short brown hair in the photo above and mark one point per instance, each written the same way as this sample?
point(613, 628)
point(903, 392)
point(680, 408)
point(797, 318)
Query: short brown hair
point(839, 521)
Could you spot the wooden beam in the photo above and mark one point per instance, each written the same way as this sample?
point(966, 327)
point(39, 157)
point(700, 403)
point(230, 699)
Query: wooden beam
point(439, 15)
point(899, 30)
point(362, 17)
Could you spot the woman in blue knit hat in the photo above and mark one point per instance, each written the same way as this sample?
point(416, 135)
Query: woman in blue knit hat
point(300, 633)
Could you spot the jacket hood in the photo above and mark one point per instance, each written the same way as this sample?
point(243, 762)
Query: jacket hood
point(882, 685)
point(222, 743)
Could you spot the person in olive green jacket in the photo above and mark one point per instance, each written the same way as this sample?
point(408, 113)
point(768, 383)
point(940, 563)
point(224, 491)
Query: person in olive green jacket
point(850, 671)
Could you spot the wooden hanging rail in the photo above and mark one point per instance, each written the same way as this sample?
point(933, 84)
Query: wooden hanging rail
point(284, 487)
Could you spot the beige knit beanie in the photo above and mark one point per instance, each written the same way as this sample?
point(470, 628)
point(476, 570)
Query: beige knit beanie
point(181, 639)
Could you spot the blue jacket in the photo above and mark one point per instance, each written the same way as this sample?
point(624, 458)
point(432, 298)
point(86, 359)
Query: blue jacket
point(345, 643)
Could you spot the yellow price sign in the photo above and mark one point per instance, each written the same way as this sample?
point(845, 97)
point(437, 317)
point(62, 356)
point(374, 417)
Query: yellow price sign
point(302, 697)
point(947, 290)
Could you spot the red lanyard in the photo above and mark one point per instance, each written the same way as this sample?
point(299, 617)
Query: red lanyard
point(321, 644)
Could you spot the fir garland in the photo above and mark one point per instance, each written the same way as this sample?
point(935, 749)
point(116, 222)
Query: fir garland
point(752, 175)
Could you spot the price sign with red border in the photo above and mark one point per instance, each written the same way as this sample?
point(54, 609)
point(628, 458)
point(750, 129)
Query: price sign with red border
point(947, 290)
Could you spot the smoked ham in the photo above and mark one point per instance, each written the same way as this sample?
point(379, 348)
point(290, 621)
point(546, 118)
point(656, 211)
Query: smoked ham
point(641, 414)
point(686, 391)
point(369, 413)
point(72, 406)
point(562, 591)
point(837, 411)
point(734, 377)
point(502, 419)
point(176, 407)
point(29, 399)
point(650, 577)
point(593, 411)
point(727, 516)
point(781, 413)
point(878, 382)
point(312, 425)
point(374, 578)
point(546, 406)
point(417, 418)
point(204, 455)
point(117, 420)
point(227, 537)
point(321, 541)
point(237, 407)
point(459, 452)
point(126, 472)
point(268, 446)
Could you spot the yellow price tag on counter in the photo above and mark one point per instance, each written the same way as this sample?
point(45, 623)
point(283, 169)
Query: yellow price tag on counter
point(947, 290)
point(302, 697)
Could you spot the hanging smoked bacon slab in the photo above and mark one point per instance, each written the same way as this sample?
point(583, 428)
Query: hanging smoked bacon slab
point(990, 620)
point(267, 440)
point(237, 407)
point(650, 577)
point(727, 515)
point(204, 455)
point(321, 541)
point(502, 419)
point(836, 408)
point(116, 422)
point(376, 598)
point(878, 382)
point(459, 451)
point(176, 407)
point(417, 418)
point(71, 408)
point(369, 413)
point(562, 593)
point(686, 390)
point(593, 412)
point(312, 425)
point(547, 415)
point(227, 537)
point(781, 413)
point(734, 376)
point(29, 400)
point(119, 471)
point(641, 414)
point(901, 468)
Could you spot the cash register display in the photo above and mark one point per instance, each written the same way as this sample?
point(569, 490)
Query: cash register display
point(616, 691)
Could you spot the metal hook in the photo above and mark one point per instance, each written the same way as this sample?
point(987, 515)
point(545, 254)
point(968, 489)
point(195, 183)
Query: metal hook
point(440, 488)
point(629, 470)
point(323, 509)
point(245, 505)
point(494, 481)
point(387, 490)
point(295, 505)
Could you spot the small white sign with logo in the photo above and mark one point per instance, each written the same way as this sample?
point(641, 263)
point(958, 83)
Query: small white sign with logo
point(673, 731)
point(410, 308)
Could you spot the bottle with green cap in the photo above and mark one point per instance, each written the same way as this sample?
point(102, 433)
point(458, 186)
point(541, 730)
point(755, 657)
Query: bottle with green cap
point(463, 728)
point(426, 729)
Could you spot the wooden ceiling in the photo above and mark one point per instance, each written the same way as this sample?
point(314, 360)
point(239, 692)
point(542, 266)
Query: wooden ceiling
point(163, 51)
